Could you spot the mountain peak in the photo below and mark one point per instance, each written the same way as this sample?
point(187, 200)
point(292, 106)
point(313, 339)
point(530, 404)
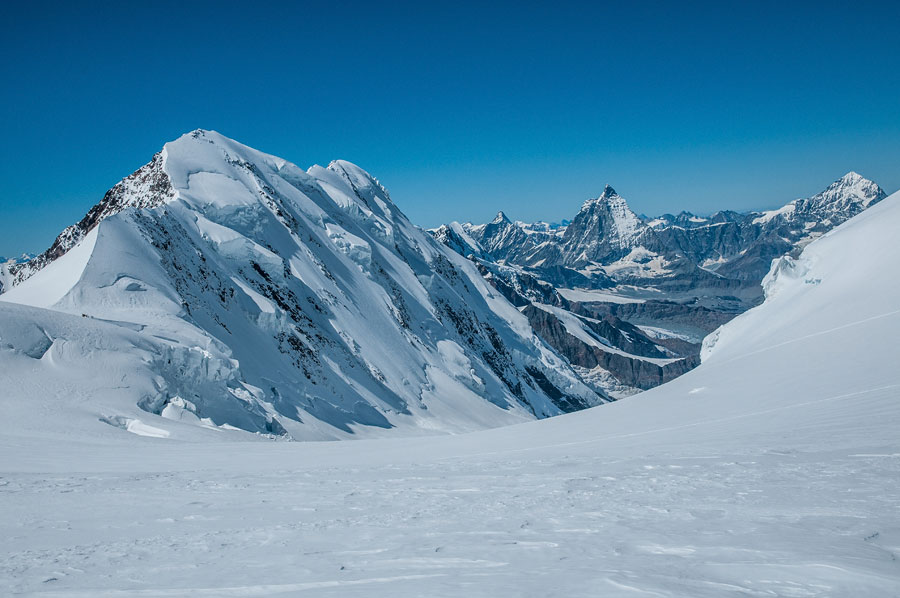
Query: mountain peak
point(851, 177)
point(349, 168)
point(313, 298)
point(843, 198)
point(850, 187)
point(500, 218)
point(208, 135)
point(608, 194)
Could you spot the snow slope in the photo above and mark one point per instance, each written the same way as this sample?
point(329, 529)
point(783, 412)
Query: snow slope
point(252, 294)
point(773, 469)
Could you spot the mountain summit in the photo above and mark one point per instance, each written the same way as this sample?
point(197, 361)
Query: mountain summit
point(605, 229)
point(239, 290)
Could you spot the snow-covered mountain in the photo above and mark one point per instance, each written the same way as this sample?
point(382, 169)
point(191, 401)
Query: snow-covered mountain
point(768, 235)
point(223, 287)
point(657, 284)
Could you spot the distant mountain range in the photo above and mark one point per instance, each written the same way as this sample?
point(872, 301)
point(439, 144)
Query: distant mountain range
point(626, 298)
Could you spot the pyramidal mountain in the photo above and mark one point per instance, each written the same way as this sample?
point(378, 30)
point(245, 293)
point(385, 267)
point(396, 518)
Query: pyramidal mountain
point(220, 288)
point(603, 231)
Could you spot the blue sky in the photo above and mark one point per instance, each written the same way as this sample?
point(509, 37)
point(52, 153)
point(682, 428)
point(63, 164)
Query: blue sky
point(459, 109)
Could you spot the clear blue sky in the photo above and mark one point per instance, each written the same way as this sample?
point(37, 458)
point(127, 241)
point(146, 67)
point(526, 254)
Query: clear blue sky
point(460, 110)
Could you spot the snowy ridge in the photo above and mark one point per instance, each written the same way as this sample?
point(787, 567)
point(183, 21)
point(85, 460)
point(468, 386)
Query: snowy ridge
point(845, 197)
point(147, 187)
point(737, 247)
point(263, 297)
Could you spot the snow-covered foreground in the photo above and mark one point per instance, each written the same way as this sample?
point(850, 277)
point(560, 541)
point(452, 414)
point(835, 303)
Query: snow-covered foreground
point(773, 469)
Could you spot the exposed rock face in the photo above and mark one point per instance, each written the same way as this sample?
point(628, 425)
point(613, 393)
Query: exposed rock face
point(605, 230)
point(629, 370)
point(688, 320)
point(520, 287)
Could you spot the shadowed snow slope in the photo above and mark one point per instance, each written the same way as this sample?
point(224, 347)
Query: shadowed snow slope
point(773, 469)
point(218, 287)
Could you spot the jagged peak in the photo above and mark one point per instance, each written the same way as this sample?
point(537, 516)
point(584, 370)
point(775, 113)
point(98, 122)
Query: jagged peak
point(500, 218)
point(851, 185)
point(853, 179)
point(847, 191)
point(609, 195)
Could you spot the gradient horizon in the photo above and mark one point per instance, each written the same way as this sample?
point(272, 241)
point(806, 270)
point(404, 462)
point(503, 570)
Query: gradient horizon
point(460, 110)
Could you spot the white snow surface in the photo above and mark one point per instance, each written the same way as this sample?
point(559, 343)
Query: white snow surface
point(772, 469)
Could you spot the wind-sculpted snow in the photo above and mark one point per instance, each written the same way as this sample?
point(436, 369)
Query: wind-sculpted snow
point(283, 301)
point(772, 469)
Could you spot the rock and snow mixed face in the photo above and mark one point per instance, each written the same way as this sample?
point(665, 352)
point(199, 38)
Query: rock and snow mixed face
point(843, 199)
point(694, 272)
point(235, 289)
point(725, 251)
point(604, 230)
